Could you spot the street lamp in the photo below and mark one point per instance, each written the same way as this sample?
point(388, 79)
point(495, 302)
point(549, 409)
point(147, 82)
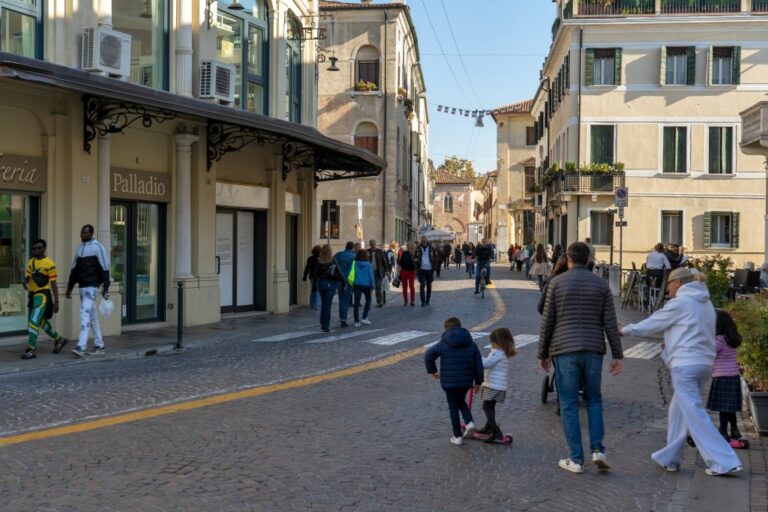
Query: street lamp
point(235, 6)
point(321, 57)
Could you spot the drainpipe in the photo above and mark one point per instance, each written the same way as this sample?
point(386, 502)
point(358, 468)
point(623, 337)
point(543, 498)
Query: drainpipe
point(386, 134)
point(578, 130)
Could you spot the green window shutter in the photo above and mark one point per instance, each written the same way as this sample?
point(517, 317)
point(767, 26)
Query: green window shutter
point(709, 66)
point(668, 164)
point(735, 230)
point(681, 135)
point(727, 150)
point(567, 72)
point(736, 63)
point(690, 73)
point(707, 230)
point(663, 66)
point(589, 67)
point(617, 67)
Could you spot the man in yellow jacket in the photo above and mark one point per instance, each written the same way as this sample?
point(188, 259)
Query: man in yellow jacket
point(40, 281)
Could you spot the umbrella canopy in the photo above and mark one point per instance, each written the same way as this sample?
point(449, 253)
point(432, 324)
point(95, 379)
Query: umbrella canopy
point(438, 234)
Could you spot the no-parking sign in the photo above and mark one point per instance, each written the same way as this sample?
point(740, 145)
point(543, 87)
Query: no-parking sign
point(621, 197)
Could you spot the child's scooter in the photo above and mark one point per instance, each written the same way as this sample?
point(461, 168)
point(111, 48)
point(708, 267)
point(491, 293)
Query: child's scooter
point(479, 436)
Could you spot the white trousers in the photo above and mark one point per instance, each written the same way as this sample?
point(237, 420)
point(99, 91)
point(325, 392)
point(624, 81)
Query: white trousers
point(89, 318)
point(687, 415)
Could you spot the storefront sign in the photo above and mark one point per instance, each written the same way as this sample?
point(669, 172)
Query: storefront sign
point(141, 185)
point(22, 173)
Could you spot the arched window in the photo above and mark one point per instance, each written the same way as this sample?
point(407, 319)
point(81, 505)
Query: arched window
point(367, 65)
point(367, 136)
point(448, 203)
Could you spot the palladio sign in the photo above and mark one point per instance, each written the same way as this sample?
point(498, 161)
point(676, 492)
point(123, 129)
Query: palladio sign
point(140, 185)
point(22, 173)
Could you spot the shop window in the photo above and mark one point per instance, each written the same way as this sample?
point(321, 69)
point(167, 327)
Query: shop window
point(672, 227)
point(601, 144)
point(293, 71)
point(21, 27)
point(675, 149)
point(721, 150)
point(367, 65)
point(329, 219)
point(600, 228)
point(367, 137)
point(148, 28)
point(19, 216)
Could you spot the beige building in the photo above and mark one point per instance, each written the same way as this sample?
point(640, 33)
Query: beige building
point(183, 131)
point(452, 205)
point(376, 100)
point(647, 94)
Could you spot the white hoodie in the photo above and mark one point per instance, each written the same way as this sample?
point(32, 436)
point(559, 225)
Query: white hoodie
point(688, 324)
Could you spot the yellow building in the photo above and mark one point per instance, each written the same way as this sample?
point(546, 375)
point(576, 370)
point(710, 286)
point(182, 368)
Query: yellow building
point(646, 94)
point(183, 131)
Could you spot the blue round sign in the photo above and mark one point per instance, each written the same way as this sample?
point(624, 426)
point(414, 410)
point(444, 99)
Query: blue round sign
point(621, 193)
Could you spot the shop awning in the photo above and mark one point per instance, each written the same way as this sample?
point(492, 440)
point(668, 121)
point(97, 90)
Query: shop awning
point(111, 105)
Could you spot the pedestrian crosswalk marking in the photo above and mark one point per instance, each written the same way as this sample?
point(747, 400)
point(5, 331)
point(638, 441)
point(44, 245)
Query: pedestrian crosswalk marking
point(475, 335)
point(287, 336)
point(643, 350)
point(399, 337)
point(348, 335)
point(522, 340)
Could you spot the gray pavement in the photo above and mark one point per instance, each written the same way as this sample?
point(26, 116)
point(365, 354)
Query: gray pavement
point(375, 440)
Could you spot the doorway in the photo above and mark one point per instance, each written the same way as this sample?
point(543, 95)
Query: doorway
point(137, 259)
point(242, 269)
point(564, 231)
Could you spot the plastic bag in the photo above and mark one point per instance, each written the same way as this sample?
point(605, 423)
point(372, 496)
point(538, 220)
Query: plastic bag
point(106, 307)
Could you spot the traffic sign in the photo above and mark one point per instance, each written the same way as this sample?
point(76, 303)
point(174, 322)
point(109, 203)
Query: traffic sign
point(621, 212)
point(621, 197)
point(621, 223)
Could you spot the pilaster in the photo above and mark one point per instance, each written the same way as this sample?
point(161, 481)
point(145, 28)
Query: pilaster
point(184, 50)
point(183, 249)
point(279, 293)
point(103, 195)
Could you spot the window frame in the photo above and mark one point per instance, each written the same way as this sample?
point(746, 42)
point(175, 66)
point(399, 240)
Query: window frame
point(604, 221)
point(448, 202)
point(732, 148)
point(719, 70)
point(728, 228)
point(591, 142)
point(335, 218)
point(676, 53)
point(663, 152)
point(25, 9)
point(294, 49)
point(681, 215)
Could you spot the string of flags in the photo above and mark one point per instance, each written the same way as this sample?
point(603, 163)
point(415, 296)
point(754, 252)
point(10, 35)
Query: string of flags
point(477, 114)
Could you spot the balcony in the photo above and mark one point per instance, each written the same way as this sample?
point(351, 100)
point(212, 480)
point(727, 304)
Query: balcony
point(760, 6)
point(574, 182)
point(615, 7)
point(661, 7)
point(754, 129)
point(700, 6)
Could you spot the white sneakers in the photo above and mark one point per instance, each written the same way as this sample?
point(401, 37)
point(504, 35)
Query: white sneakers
point(357, 324)
point(712, 472)
point(600, 460)
point(457, 441)
point(569, 465)
point(365, 321)
point(469, 429)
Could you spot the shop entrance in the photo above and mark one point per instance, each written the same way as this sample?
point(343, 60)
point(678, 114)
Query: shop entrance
point(137, 259)
point(242, 269)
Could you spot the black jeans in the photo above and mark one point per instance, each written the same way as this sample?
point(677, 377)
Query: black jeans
point(489, 408)
point(456, 404)
point(425, 277)
point(365, 292)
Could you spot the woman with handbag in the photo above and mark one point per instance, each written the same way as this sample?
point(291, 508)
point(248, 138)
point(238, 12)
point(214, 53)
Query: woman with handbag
point(407, 273)
point(328, 279)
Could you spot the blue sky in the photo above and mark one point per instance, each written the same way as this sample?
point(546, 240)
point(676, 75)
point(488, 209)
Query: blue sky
point(502, 43)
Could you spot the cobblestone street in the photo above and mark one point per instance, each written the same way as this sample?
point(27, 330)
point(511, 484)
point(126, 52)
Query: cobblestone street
point(373, 437)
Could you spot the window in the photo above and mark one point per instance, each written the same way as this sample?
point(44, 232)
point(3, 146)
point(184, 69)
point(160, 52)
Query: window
point(367, 65)
point(675, 149)
point(147, 24)
point(602, 144)
point(600, 231)
point(678, 65)
point(530, 179)
point(367, 137)
point(721, 230)
point(293, 72)
point(20, 27)
point(448, 203)
point(721, 150)
point(530, 135)
point(725, 65)
point(602, 66)
point(672, 227)
point(329, 218)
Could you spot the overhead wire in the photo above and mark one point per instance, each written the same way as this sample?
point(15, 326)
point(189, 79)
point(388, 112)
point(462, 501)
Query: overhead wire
point(458, 51)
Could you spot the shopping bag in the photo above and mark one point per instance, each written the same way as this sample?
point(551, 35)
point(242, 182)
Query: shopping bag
point(385, 284)
point(106, 307)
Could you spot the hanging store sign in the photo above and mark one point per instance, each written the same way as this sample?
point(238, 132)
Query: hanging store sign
point(140, 185)
point(25, 173)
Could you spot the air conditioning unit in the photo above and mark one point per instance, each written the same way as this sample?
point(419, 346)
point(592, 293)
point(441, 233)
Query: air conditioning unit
point(106, 50)
point(217, 81)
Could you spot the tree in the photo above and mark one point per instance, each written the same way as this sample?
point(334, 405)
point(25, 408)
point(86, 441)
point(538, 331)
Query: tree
point(460, 167)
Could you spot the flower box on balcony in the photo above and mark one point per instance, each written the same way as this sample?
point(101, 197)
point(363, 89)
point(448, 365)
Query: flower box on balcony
point(366, 86)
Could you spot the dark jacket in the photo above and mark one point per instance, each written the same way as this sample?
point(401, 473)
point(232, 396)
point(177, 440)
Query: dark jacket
point(461, 364)
point(674, 259)
point(328, 271)
point(310, 268)
point(406, 261)
point(379, 262)
point(578, 315)
point(432, 257)
point(483, 253)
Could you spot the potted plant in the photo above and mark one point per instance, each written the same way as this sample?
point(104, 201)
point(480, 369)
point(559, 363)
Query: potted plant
point(751, 317)
point(718, 271)
point(365, 86)
point(401, 93)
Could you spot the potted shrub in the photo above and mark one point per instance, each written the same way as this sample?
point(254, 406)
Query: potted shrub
point(751, 317)
point(366, 86)
point(719, 271)
point(401, 93)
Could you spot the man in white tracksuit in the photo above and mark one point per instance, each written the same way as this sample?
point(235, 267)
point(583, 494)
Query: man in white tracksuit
point(688, 324)
point(90, 270)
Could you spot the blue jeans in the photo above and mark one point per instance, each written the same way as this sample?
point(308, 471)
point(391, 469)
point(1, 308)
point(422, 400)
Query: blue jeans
point(327, 290)
point(487, 265)
point(345, 293)
point(570, 371)
point(527, 267)
point(366, 292)
point(314, 297)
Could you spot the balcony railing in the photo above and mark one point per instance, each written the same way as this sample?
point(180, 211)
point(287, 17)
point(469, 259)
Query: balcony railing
point(699, 6)
point(615, 7)
point(579, 183)
point(760, 6)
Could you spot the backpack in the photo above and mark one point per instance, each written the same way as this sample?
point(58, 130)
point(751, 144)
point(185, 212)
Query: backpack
point(351, 276)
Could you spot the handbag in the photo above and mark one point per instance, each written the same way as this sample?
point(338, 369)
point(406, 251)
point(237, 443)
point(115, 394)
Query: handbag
point(396, 280)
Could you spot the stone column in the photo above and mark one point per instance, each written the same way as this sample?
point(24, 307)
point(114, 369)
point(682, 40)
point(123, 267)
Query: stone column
point(279, 294)
point(103, 195)
point(104, 14)
point(184, 50)
point(183, 268)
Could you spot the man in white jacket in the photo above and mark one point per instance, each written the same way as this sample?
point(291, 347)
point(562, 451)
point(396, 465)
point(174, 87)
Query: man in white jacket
point(688, 324)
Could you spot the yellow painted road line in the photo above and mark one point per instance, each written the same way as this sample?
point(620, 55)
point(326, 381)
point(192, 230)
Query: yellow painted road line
point(498, 314)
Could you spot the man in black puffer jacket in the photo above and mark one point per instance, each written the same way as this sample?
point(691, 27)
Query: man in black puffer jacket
point(461, 367)
point(578, 316)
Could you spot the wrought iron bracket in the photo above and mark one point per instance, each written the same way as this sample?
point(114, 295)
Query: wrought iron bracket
point(297, 156)
point(101, 117)
point(224, 138)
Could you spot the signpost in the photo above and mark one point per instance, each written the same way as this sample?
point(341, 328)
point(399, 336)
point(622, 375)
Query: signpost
point(621, 200)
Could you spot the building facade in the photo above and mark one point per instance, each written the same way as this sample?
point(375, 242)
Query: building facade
point(376, 100)
point(183, 131)
point(647, 95)
point(452, 205)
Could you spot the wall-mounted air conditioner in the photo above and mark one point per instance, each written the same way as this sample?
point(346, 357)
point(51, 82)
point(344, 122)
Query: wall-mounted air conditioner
point(106, 50)
point(217, 81)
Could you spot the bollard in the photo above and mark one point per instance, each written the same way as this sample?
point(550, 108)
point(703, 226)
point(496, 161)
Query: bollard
point(180, 315)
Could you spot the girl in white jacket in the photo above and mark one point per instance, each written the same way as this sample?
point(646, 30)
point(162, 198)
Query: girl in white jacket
point(495, 384)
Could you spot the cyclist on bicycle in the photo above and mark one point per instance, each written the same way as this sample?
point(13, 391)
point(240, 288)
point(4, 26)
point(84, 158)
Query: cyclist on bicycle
point(483, 254)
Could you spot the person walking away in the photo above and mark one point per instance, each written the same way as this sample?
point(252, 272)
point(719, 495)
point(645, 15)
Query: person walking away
point(560, 267)
point(381, 269)
point(90, 271)
point(457, 256)
point(329, 278)
point(344, 261)
point(461, 368)
point(439, 256)
point(688, 322)
point(392, 251)
point(494, 389)
point(527, 254)
point(407, 273)
point(578, 316)
point(426, 261)
point(540, 266)
point(469, 259)
point(362, 284)
point(40, 281)
point(483, 258)
point(310, 271)
point(519, 258)
point(725, 390)
point(592, 253)
point(511, 256)
point(447, 250)
point(556, 253)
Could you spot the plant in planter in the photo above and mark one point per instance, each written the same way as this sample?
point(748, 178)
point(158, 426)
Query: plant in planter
point(751, 317)
point(366, 86)
point(408, 104)
point(401, 93)
point(719, 271)
point(570, 166)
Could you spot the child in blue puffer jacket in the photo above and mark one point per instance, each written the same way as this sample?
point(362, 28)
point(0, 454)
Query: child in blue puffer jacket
point(461, 367)
point(362, 284)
